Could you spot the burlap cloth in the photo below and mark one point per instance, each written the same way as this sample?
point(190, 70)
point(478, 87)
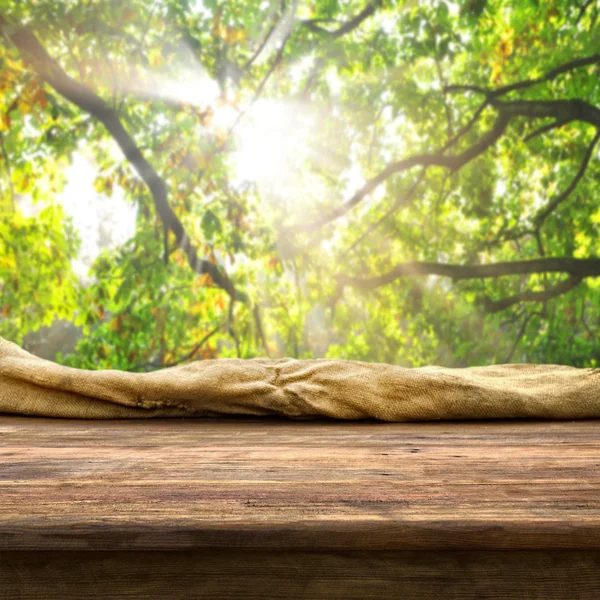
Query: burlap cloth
point(299, 389)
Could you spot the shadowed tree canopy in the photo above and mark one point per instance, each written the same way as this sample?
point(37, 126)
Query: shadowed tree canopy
point(412, 183)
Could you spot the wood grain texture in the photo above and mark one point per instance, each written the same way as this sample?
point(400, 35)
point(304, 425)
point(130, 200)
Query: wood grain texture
point(219, 574)
point(273, 484)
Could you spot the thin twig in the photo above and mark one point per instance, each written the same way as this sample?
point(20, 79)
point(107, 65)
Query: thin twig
point(231, 330)
point(8, 171)
point(519, 336)
point(545, 212)
point(266, 39)
point(259, 327)
point(183, 358)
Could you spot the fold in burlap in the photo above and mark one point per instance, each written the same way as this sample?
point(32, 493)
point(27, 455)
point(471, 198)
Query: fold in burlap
point(299, 389)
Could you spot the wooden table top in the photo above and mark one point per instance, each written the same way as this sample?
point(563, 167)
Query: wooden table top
point(271, 483)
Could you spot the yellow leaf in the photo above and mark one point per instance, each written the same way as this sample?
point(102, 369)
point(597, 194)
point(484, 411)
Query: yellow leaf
point(40, 98)
point(7, 261)
point(128, 15)
point(231, 35)
point(206, 280)
point(14, 64)
point(155, 58)
point(5, 122)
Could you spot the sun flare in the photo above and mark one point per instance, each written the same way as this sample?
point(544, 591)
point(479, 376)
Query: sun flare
point(264, 143)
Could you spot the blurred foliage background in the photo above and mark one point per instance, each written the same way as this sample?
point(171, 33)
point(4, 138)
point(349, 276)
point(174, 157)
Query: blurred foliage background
point(399, 181)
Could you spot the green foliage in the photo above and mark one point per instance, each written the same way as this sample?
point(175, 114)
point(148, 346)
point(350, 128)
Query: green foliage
point(37, 282)
point(261, 117)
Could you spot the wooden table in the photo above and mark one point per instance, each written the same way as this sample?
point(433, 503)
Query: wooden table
point(267, 508)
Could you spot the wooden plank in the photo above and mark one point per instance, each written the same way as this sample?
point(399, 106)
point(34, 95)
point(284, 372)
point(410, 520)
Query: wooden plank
point(274, 484)
point(217, 574)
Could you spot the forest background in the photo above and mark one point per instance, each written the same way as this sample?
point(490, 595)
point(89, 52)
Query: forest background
point(407, 182)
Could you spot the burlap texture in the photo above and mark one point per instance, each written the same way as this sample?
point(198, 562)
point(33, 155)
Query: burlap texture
point(299, 389)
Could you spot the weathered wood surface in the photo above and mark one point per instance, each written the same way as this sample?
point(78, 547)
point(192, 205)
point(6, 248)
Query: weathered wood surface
point(218, 574)
point(315, 486)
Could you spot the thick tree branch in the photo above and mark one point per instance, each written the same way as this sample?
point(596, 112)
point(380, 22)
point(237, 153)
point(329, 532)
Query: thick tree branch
point(561, 110)
point(83, 97)
point(576, 267)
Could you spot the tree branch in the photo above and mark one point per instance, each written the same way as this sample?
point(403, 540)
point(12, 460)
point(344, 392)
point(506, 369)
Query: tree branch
point(88, 101)
point(546, 211)
point(520, 336)
point(260, 330)
point(576, 267)
point(401, 200)
point(456, 87)
point(450, 124)
point(561, 110)
point(231, 331)
point(494, 306)
point(261, 85)
point(347, 27)
point(265, 41)
point(6, 159)
point(541, 130)
point(183, 358)
point(353, 23)
point(520, 85)
point(582, 10)
point(453, 163)
point(549, 76)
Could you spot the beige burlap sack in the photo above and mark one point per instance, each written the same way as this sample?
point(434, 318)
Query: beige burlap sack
point(299, 389)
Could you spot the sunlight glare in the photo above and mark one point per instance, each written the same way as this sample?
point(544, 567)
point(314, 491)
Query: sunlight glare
point(191, 87)
point(264, 140)
point(102, 222)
